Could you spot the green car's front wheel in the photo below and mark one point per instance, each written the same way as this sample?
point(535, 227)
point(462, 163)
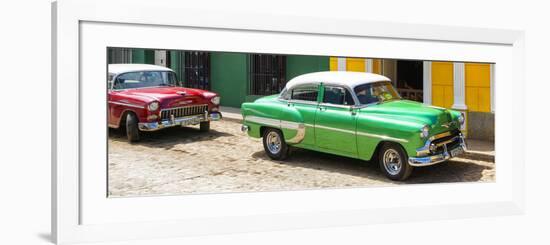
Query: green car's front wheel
point(274, 144)
point(393, 161)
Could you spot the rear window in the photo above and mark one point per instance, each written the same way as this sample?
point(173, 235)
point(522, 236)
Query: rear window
point(306, 93)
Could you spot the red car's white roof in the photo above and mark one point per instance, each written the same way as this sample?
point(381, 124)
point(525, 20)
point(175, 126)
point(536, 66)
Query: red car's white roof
point(344, 78)
point(121, 68)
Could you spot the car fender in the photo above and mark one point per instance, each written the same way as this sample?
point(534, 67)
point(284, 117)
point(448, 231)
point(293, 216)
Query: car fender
point(372, 129)
point(275, 115)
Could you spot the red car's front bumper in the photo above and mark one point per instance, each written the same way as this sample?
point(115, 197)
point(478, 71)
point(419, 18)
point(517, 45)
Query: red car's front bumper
point(180, 121)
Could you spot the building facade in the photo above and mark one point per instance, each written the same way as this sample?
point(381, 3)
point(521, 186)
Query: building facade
point(242, 77)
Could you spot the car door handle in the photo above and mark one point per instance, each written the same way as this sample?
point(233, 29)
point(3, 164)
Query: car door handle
point(322, 108)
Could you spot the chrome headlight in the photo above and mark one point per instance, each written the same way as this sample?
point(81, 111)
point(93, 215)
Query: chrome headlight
point(425, 131)
point(215, 100)
point(461, 120)
point(153, 106)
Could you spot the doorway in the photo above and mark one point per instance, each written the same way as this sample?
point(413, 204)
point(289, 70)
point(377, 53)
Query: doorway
point(409, 82)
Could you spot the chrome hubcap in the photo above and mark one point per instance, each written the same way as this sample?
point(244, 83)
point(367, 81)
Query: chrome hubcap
point(273, 142)
point(392, 161)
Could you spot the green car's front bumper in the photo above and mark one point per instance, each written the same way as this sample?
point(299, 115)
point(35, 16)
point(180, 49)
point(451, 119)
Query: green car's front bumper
point(450, 148)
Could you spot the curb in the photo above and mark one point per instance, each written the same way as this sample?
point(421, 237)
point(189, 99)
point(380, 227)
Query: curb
point(472, 155)
point(232, 119)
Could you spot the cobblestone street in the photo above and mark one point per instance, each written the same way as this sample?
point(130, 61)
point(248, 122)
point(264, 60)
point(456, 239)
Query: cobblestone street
point(184, 160)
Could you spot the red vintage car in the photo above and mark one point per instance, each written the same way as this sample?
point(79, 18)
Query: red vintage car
point(148, 98)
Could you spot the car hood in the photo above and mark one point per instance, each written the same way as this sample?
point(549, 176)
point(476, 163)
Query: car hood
point(406, 110)
point(169, 96)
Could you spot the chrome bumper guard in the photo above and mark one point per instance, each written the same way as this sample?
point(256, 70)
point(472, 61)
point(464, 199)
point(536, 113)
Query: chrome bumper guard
point(447, 154)
point(181, 121)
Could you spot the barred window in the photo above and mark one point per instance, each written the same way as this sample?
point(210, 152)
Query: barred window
point(119, 55)
point(267, 74)
point(197, 70)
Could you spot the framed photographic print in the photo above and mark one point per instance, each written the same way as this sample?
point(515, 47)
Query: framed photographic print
point(169, 125)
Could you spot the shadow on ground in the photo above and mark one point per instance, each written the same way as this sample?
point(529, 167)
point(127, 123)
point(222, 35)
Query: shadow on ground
point(456, 170)
point(169, 137)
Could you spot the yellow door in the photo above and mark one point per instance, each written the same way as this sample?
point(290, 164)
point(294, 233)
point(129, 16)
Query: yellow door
point(355, 64)
point(333, 63)
point(478, 87)
point(377, 66)
point(442, 84)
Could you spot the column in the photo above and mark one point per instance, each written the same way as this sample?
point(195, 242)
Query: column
point(427, 82)
point(341, 64)
point(459, 86)
point(160, 57)
point(492, 87)
point(368, 65)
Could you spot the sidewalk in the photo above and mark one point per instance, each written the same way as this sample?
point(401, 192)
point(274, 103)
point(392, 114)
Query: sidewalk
point(231, 114)
point(480, 150)
point(477, 149)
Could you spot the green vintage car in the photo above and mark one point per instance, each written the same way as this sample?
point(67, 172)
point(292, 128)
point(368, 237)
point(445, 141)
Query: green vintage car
point(358, 115)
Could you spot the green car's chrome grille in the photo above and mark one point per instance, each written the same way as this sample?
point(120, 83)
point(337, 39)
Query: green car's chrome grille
point(448, 139)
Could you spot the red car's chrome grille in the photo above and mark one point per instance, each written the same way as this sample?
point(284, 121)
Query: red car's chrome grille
point(183, 111)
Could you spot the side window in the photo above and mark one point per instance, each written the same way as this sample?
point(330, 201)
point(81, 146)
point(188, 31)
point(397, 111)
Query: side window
point(110, 77)
point(285, 94)
point(337, 96)
point(307, 93)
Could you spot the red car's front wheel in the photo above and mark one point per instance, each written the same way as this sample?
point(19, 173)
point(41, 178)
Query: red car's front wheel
point(204, 126)
point(132, 130)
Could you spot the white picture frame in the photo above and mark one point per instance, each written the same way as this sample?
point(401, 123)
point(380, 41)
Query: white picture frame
point(82, 212)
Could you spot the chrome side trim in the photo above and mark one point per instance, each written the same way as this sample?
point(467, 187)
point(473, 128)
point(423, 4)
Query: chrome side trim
point(335, 129)
point(384, 137)
point(291, 125)
point(127, 104)
point(263, 120)
point(305, 102)
point(349, 107)
point(299, 127)
point(300, 135)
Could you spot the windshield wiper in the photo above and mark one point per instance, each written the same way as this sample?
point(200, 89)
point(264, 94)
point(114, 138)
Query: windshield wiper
point(392, 99)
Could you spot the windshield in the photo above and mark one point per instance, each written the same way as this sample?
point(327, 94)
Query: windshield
point(376, 92)
point(142, 79)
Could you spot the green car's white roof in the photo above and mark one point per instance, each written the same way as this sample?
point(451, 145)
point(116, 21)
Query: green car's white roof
point(343, 78)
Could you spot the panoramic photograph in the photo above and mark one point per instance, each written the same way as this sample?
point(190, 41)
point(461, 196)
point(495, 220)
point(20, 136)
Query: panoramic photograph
point(199, 122)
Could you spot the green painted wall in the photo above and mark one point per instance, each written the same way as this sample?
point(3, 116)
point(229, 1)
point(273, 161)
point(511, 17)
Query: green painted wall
point(229, 71)
point(301, 64)
point(229, 74)
point(175, 63)
point(143, 56)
